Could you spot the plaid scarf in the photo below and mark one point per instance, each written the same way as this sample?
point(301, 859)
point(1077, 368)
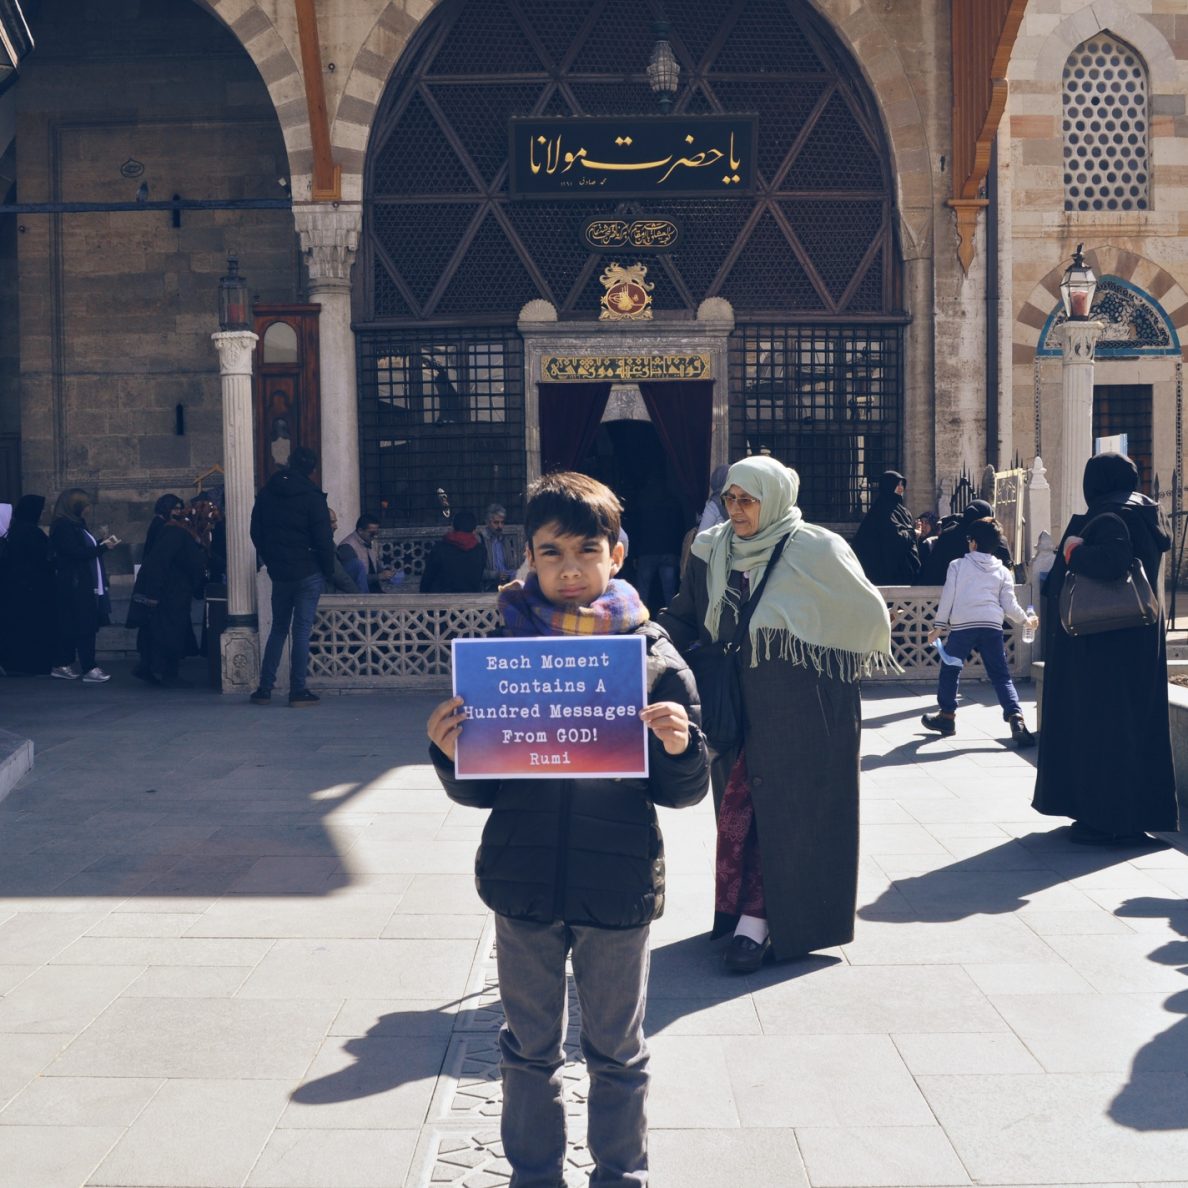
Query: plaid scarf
point(526, 611)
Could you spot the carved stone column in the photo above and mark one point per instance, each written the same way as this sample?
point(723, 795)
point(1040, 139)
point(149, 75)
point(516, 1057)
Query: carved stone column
point(329, 241)
point(240, 648)
point(1079, 341)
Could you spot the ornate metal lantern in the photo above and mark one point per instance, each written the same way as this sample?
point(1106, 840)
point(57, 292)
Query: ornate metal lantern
point(664, 72)
point(1077, 288)
point(233, 298)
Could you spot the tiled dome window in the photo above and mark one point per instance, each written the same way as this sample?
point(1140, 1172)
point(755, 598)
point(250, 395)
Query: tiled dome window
point(1106, 126)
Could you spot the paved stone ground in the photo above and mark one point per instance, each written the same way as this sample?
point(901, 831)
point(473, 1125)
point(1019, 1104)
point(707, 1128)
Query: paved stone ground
point(241, 946)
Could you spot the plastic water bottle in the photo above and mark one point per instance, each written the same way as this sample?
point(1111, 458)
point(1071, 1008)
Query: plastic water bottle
point(1028, 635)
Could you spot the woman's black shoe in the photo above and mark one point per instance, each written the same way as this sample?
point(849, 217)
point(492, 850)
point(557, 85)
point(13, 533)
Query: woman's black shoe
point(143, 674)
point(744, 955)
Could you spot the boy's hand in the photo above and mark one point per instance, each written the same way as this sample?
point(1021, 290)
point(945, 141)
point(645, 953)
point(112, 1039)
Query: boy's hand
point(935, 634)
point(669, 722)
point(445, 724)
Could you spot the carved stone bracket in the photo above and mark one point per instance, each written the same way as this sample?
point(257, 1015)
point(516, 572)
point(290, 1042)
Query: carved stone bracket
point(966, 211)
point(329, 241)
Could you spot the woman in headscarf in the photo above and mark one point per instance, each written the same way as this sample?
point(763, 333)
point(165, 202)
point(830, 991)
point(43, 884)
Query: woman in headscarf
point(168, 581)
point(27, 593)
point(885, 543)
point(80, 581)
point(1105, 754)
point(787, 861)
point(166, 508)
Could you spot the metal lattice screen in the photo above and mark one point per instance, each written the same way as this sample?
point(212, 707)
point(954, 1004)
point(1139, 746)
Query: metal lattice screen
point(443, 241)
point(824, 400)
point(441, 410)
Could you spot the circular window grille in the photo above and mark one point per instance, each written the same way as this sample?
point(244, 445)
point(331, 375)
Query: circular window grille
point(1105, 128)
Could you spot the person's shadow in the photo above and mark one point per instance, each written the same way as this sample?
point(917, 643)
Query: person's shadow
point(401, 1048)
point(994, 882)
point(1149, 1100)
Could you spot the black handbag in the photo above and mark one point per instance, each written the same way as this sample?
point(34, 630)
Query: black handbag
point(715, 667)
point(1090, 606)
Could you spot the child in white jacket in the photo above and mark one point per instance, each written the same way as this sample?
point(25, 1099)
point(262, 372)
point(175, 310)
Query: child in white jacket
point(979, 591)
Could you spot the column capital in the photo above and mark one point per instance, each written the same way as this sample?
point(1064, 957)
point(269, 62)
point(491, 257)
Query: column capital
point(236, 348)
point(329, 242)
point(1079, 340)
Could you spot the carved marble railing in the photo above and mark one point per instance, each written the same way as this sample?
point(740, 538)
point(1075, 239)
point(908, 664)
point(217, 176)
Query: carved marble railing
point(402, 641)
point(914, 608)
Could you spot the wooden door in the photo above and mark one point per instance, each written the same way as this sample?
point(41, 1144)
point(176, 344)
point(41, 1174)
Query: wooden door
point(286, 386)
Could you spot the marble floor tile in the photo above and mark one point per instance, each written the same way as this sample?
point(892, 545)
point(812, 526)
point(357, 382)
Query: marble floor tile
point(170, 1143)
point(328, 1158)
point(199, 1038)
point(877, 1156)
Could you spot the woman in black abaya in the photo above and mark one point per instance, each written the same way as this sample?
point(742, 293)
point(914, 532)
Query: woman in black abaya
point(1105, 749)
point(27, 593)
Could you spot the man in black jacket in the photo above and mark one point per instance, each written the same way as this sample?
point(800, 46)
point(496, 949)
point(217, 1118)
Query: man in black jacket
point(951, 543)
point(291, 531)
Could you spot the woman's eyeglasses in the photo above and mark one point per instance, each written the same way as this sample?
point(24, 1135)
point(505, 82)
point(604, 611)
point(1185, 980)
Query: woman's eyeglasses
point(742, 501)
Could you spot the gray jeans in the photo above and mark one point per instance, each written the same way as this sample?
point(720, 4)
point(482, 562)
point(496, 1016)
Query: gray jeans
point(610, 969)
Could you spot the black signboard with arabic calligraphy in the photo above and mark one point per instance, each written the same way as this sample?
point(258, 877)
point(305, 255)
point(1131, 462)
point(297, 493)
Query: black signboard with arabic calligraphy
point(633, 156)
point(634, 235)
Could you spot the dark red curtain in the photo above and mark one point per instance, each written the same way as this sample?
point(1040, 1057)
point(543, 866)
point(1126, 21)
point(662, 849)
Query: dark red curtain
point(569, 418)
point(682, 413)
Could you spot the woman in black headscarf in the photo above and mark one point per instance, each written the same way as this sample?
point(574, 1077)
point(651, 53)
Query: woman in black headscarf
point(167, 508)
point(885, 543)
point(1105, 751)
point(27, 593)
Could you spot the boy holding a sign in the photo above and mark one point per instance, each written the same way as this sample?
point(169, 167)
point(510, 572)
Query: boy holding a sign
point(573, 864)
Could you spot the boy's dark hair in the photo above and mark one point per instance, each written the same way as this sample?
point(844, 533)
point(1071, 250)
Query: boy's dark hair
point(464, 521)
point(303, 460)
point(366, 520)
point(984, 535)
point(576, 503)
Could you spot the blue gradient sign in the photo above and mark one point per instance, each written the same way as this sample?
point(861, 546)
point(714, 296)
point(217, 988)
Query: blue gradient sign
point(553, 706)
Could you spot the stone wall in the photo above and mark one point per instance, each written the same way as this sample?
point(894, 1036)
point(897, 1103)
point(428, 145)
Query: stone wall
point(1146, 248)
point(116, 309)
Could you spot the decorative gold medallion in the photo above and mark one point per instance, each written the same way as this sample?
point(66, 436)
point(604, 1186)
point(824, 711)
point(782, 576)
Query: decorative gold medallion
point(628, 295)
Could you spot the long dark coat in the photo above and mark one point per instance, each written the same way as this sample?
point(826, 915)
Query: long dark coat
point(80, 613)
point(885, 543)
point(1105, 750)
point(801, 742)
point(27, 623)
point(172, 576)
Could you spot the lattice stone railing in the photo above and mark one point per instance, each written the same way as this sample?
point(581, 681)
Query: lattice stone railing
point(402, 641)
point(914, 608)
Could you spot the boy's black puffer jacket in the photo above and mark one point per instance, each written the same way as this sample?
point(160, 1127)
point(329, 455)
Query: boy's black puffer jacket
point(587, 851)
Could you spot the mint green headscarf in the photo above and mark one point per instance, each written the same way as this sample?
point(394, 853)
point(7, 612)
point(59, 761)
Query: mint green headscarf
point(818, 607)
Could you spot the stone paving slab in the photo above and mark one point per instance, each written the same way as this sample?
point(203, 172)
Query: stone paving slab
point(261, 925)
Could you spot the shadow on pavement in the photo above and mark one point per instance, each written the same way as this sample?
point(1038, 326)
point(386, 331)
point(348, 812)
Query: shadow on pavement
point(995, 881)
point(1156, 1096)
point(388, 1056)
point(143, 792)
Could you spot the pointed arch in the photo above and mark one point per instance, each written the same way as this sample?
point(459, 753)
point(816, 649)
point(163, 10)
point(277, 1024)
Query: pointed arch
point(1152, 285)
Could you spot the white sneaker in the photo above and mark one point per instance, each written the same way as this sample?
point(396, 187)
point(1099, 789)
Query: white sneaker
point(64, 673)
point(96, 677)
